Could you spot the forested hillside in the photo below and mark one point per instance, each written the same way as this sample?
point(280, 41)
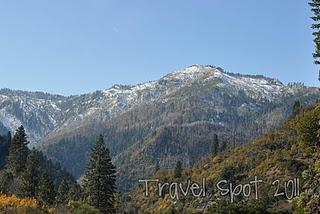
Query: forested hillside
point(291, 152)
point(236, 107)
point(32, 184)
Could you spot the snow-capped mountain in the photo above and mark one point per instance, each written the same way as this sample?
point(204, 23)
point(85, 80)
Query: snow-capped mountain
point(154, 123)
point(44, 114)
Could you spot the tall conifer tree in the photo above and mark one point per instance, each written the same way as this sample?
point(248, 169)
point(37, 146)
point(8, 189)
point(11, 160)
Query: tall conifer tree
point(18, 152)
point(74, 192)
point(99, 179)
point(4, 149)
point(178, 170)
point(45, 190)
point(30, 176)
point(315, 8)
point(215, 145)
point(62, 193)
point(223, 146)
point(296, 108)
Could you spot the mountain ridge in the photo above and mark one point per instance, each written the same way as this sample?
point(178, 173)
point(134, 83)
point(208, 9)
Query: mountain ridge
point(237, 113)
point(59, 105)
point(236, 107)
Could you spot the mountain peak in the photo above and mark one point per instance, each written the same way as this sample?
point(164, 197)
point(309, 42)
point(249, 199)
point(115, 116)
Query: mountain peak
point(52, 112)
point(120, 86)
point(200, 67)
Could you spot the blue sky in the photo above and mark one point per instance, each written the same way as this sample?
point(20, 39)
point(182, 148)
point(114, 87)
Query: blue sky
point(78, 46)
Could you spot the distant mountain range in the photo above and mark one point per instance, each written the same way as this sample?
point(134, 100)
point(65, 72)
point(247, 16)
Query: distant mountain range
point(154, 123)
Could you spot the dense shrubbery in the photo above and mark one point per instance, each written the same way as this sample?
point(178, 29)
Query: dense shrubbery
point(13, 204)
point(309, 136)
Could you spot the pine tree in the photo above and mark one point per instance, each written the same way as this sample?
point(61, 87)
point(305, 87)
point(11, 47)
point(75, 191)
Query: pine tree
point(178, 170)
point(4, 149)
point(99, 179)
point(30, 175)
point(315, 8)
point(215, 145)
point(296, 108)
point(18, 152)
point(157, 168)
point(74, 192)
point(62, 193)
point(223, 146)
point(45, 190)
point(6, 182)
point(9, 137)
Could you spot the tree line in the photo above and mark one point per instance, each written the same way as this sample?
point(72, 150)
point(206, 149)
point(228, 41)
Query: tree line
point(27, 173)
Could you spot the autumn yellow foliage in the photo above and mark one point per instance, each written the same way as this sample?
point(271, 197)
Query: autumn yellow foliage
point(13, 204)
